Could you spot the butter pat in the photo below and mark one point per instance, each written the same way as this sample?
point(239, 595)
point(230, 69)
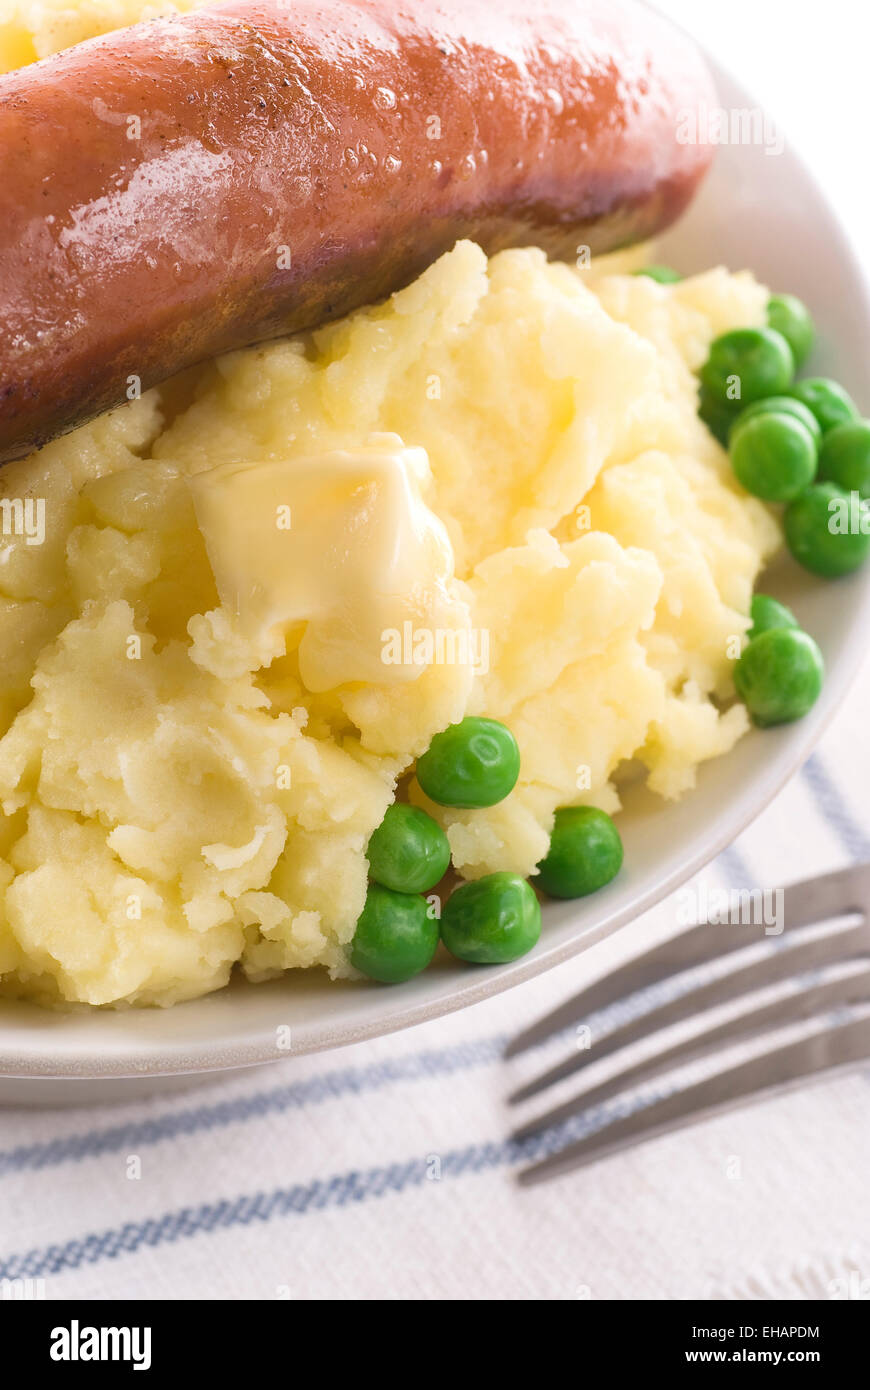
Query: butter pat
point(341, 543)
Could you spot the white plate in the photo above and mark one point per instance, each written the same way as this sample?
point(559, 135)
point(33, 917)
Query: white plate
point(756, 210)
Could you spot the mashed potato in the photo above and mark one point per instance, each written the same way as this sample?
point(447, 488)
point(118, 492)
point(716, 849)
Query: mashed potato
point(32, 29)
point(175, 799)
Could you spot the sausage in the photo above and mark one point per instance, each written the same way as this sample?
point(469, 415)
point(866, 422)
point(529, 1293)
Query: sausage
point(197, 183)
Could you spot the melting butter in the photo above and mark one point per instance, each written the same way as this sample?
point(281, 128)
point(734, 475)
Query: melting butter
point(341, 543)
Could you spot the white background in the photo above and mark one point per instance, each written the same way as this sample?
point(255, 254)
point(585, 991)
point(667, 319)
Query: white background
point(809, 66)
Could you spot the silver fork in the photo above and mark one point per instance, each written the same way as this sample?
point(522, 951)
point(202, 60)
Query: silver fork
point(841, 898)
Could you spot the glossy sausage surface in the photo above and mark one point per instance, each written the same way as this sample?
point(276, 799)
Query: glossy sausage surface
point(194, 184)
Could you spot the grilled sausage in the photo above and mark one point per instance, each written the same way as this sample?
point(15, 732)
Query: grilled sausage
point(197, 183)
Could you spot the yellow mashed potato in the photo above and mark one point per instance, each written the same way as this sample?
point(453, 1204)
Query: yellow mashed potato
point(175, 799)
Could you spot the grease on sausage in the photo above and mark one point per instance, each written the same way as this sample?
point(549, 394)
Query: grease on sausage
point(194, 184)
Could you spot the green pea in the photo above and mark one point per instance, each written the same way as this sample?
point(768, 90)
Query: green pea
point(827, 531)
point(662, 273)
point(395, 937)
point(767, 613)
point(781, 405)
point(473, 763)
point(491, 921)
point(779, 676)
point(756, 361)
point(789, 316)
point(718, 416)
point(844, 457)
point(774, 457)
point(828, 400)
point(409, 851)
point(585, 853)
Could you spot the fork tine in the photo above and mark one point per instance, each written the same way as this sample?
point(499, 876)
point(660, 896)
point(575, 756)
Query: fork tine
point(835, 1048)
point(818, 999)
point(648, 969)
point(779, 965)
point(828, 896)
point(812, 900)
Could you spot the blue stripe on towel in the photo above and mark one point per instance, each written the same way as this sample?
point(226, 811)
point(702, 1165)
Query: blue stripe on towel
point(834, 810)
point(339, 1190)
point(261, 1207)
point(735, 867)
point(331, 1085)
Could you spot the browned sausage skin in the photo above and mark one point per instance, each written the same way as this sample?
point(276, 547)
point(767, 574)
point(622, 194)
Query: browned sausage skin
point(193, 184)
